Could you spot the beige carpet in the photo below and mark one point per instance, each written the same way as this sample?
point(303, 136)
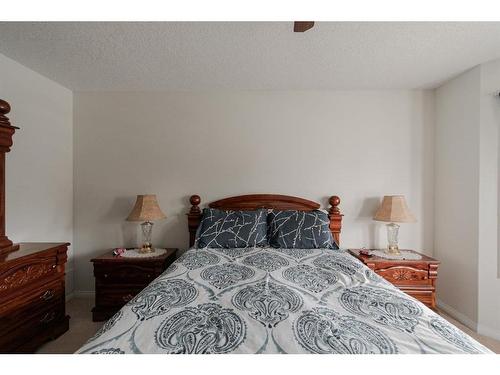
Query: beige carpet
point(81, 328)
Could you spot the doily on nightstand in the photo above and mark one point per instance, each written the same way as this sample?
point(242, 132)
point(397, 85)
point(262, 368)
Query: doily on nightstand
point(405, 255)
point(134, 253)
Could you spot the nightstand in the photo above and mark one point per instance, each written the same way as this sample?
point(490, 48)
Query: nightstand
point(414, 277)
point(119, 279)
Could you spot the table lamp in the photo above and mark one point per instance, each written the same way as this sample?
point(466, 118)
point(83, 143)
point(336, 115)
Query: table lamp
point(146, 209)
point(394, 210)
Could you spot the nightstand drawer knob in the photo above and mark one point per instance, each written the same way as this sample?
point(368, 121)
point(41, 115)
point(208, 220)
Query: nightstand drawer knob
point(105, 275)
point(49, 294)
point(47, 318)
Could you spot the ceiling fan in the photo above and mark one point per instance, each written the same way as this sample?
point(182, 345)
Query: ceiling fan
point(301, 26)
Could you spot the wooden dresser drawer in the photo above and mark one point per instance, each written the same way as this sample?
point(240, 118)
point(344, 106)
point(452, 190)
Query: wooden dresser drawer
point(31, 319)
point(21, 309)
point(46, 322)
point(32, 298)
point(26, 272)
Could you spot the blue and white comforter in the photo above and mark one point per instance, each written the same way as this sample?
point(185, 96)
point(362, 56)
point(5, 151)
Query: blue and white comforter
point(275, 301)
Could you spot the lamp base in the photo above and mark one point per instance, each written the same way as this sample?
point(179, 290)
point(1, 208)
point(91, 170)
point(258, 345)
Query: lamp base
point(392, 250)
point(147, 248)
point(392, 239)
point(147, 231)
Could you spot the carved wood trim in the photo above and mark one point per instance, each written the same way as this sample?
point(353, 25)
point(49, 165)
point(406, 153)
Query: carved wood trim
point(433, 271)
point(24, 274)
point(403, 273)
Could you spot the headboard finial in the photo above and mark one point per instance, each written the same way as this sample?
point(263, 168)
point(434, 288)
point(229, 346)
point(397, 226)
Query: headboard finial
point(334, 202)
point(195, 200)
point(4, 109)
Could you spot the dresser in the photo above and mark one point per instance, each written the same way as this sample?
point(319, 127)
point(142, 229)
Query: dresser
point(414, 277)
point(119, 279)
point(32, 296)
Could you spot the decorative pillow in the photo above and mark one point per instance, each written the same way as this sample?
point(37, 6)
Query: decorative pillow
point(300, 230)
point(232, 229)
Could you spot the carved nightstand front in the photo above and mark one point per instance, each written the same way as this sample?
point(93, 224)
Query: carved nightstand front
point(414, 277)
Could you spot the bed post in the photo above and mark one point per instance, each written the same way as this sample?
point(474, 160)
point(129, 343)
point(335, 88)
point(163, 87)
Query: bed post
point(194, 216)
point(335, 218)
point(6, 133)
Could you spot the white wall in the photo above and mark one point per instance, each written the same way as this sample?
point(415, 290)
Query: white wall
point(456, 193)
point(489, 189)
point(466, 197)
point(358, 145)
point(39, 187)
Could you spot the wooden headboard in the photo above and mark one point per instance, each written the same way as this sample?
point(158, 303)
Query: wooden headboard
point(270, 201)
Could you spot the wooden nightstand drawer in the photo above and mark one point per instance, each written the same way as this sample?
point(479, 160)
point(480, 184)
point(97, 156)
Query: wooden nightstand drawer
point(116, 295)
point(404, 275)
point(426, 296)
point(119, 279)
point(414, 277)
point(125, 273)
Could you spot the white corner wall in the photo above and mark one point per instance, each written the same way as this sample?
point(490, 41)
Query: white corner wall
point(359, 145)
point(456, 162)
point(466, 197)
point(489, 259)
point(39, 175)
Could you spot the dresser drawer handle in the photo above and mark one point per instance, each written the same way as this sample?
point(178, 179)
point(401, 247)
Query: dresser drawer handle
point(105, 275)
point(54, 266)
point(49, 294)
point(48, 317)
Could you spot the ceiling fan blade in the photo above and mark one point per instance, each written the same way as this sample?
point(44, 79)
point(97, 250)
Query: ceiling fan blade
point(301, 26)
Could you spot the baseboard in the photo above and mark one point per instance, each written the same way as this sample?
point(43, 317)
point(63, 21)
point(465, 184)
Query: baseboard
point(488, 331)
point(70, 296)
point(83, 294)
point(482, 329)
point(465, 320)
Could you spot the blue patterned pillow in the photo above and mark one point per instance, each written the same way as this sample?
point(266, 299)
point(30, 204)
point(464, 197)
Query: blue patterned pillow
point(232, 229)
point(300, 230)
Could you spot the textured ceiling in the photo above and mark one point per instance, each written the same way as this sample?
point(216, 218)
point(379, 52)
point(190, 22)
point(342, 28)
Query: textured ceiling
point(256, 55)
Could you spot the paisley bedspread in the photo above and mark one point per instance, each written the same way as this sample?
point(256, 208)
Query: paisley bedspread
point(275, 301)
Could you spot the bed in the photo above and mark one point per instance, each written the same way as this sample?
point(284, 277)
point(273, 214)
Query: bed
point(274, 300)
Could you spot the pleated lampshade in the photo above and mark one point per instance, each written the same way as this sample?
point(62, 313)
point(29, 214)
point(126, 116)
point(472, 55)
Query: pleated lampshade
point(395, 210)
point(146, 209)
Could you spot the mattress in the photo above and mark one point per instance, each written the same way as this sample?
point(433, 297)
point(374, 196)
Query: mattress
point(266, 300)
